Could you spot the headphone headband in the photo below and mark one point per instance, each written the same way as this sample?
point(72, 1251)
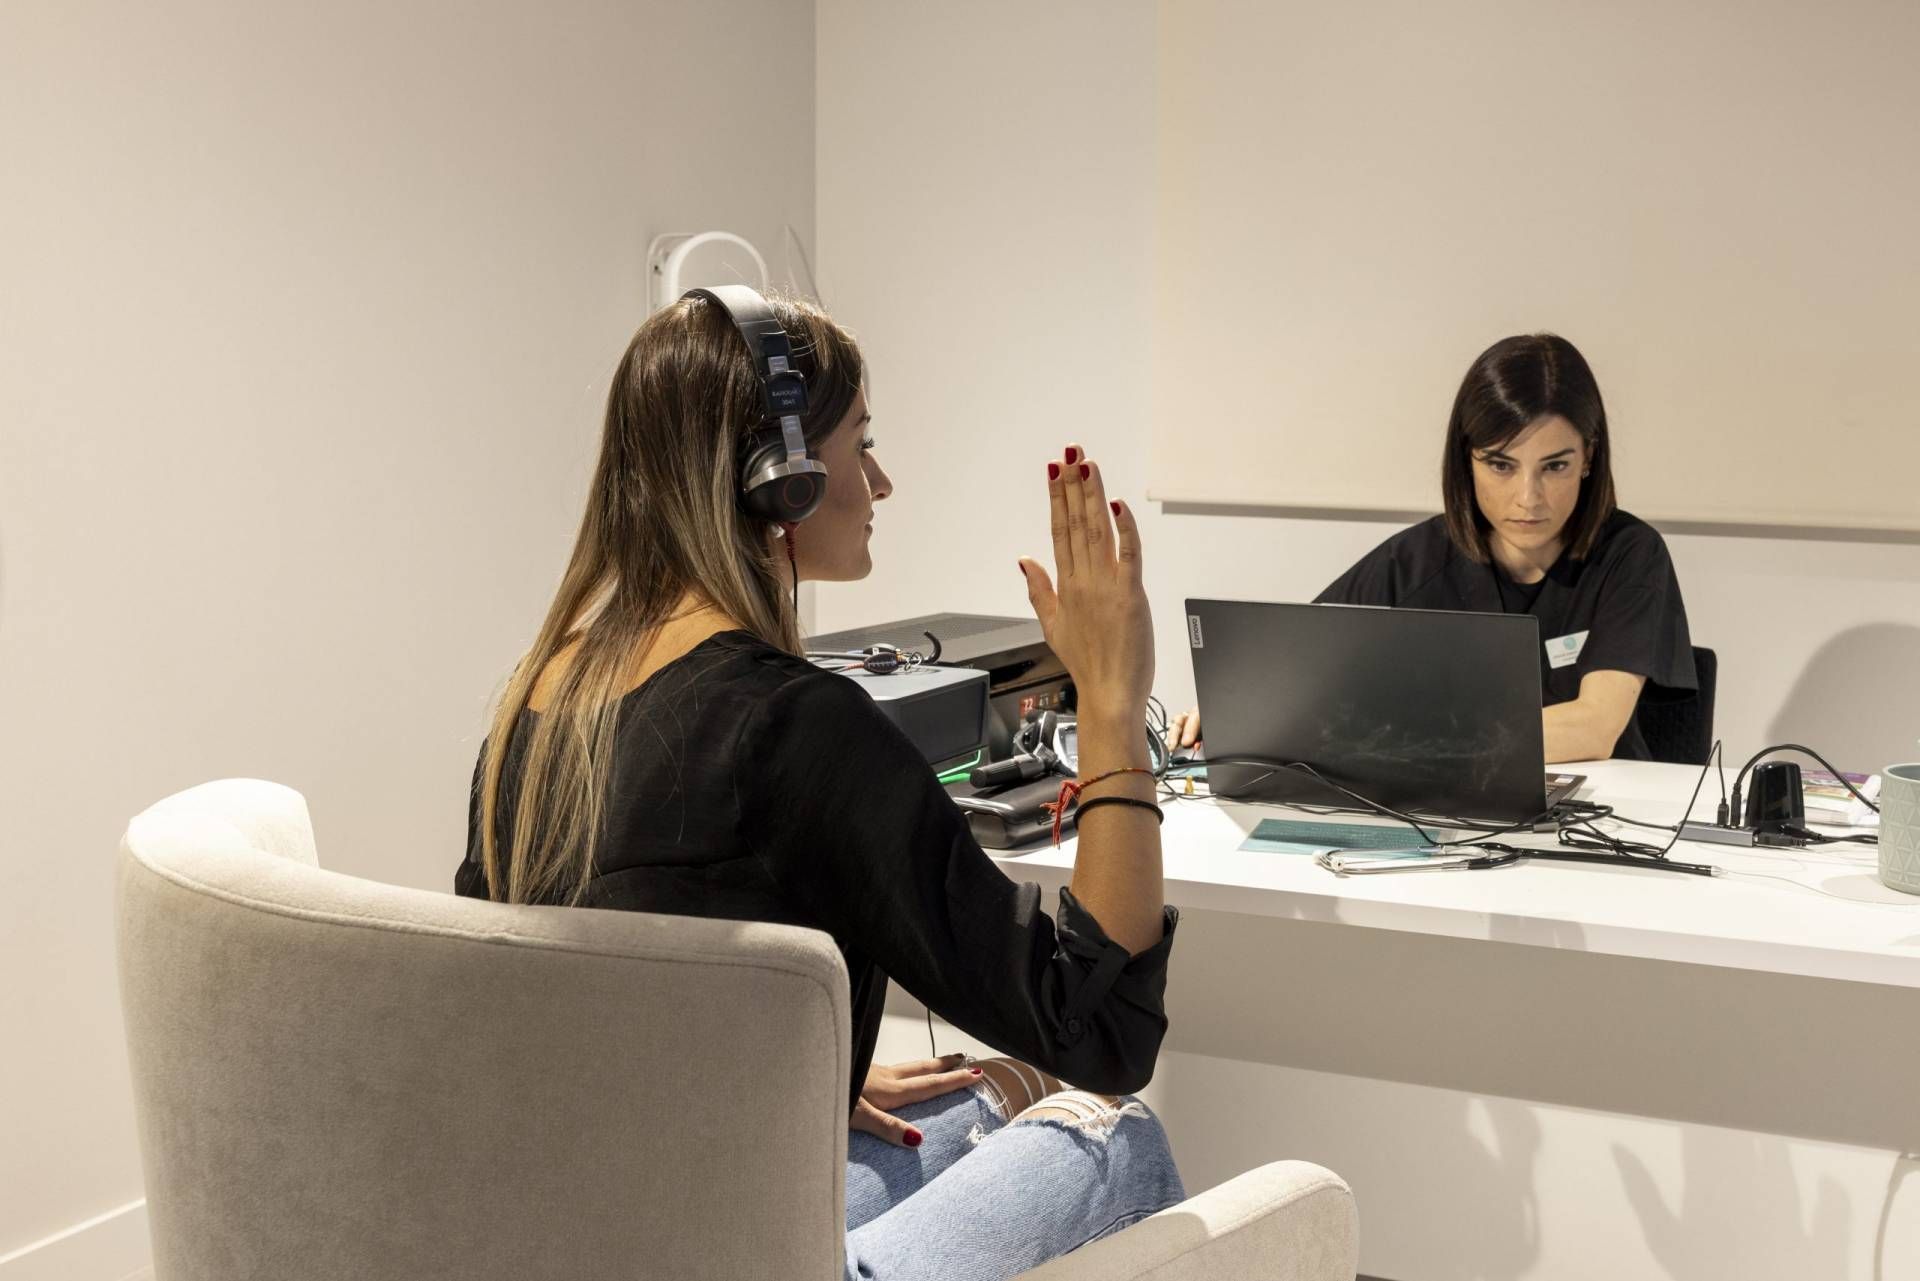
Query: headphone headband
point(781, 481)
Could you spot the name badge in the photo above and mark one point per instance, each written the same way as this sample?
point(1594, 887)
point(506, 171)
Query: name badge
point(1564, 651)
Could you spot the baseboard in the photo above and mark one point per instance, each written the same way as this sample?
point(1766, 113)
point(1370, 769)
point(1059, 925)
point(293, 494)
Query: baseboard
point(109, 1247)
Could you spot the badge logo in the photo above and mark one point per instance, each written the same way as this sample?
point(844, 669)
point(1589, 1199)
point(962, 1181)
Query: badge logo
point(1564, 651)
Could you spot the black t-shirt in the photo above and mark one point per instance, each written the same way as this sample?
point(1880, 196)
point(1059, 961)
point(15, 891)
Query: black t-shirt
point(749, 784)
point(1619, 609)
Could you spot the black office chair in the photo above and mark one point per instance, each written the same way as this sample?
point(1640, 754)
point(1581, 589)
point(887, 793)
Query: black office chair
point(1680, 730)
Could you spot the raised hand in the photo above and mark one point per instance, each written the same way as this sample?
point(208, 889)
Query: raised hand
point(1093, 609)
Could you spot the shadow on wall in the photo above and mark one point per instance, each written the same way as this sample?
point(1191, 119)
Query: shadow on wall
point(1858, 701)
point(1497, 1156)
point(1703, 1236)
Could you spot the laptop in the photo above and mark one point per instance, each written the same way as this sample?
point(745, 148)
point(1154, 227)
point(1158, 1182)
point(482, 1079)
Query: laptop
point(1432, 712)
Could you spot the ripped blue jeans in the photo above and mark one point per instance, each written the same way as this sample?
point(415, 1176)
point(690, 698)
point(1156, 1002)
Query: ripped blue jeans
point(984, 1198)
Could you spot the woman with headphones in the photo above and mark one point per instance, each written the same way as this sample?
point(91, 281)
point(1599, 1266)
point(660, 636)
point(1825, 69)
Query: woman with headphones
point(1530, 526)
point(665, 747)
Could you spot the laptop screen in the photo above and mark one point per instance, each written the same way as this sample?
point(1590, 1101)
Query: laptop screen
point(1429, 711)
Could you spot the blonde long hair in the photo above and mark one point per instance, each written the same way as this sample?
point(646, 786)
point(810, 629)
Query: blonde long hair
point(662, 519)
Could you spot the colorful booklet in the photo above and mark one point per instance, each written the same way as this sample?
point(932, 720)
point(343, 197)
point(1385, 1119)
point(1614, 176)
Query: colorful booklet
point(1828, 800)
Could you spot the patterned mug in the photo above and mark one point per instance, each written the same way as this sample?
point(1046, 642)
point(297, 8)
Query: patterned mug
point(1900, 827)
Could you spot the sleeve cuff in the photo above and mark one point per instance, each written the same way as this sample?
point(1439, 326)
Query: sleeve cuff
point(1105, 964)
point(1082, 935)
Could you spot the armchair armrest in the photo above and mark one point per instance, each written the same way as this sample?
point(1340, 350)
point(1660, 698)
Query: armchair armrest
point(1288, 1221)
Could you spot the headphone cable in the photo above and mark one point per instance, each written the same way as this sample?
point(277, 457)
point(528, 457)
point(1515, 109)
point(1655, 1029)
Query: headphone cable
point(793, 564)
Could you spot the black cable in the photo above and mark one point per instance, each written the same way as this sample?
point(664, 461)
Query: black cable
point(1617, 850)
point(1569, 813)
point(1485, 829)
point(932, 1053)
point(1594, 839)
point(1581, 847)
point(1610, 860)
point(1157, 718)
point(1724, 814)
point(1329, 811)
point(1687, 813)
point(1372, 806)
point(1714, 754)
point(793, 568)
point(1592, 846)
point(1578, 830)
point(1811, 837)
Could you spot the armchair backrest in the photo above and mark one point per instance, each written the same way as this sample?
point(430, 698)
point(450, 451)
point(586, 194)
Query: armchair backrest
point(340, 1078)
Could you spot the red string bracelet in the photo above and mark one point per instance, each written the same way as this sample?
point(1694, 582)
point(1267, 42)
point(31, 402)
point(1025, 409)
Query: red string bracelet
point(1070, 792)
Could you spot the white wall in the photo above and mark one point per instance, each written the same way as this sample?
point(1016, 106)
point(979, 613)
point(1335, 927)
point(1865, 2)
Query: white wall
point(985, 214)
point(305, 328)
point(986, 206)
point(1699, 195)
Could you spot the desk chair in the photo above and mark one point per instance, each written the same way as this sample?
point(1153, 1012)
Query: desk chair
point(336, 1078)
point(1680, 730)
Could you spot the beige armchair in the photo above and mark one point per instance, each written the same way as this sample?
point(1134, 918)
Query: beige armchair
point(337, 1079)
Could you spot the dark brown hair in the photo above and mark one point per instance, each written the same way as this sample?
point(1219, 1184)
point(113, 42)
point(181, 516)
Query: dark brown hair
point(1509, 387)
point(662, 518)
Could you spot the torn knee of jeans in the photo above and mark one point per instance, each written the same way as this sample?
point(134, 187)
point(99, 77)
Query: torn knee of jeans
point(994, 1097)
point(1090, 1115)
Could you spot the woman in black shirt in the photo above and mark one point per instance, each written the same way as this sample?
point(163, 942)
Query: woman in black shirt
point(1531, 527)
point(664, 747)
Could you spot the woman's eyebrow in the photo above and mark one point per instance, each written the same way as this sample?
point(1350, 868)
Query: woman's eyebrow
point(1505, 457)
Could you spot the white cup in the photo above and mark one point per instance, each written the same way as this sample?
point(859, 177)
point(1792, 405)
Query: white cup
point(1900, 827)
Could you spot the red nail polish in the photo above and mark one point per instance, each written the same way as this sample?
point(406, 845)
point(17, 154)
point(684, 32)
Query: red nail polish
point(1085, 471)
point(914, 1138)
point(975, 1071)
point(1116, 506)
point(1073, 455)
point(1053, 471)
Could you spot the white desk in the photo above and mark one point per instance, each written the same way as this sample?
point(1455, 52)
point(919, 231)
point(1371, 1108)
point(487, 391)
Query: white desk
point(1551, 1070)
point(1829, 918)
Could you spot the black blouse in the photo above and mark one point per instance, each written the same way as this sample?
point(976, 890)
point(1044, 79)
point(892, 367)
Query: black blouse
point(1619, 609)
point(750, 785)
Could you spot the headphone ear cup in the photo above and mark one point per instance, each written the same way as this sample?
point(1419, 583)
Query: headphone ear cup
point(784, 500)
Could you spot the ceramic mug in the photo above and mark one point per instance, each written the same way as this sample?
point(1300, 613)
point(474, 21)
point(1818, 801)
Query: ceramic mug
point(1900, 827)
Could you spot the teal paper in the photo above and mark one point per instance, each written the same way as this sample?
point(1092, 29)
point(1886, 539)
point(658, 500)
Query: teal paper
point(1289, 836)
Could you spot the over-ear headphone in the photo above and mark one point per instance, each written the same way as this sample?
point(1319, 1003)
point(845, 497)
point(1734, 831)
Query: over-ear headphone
point(882, 659)
point(780, 479)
